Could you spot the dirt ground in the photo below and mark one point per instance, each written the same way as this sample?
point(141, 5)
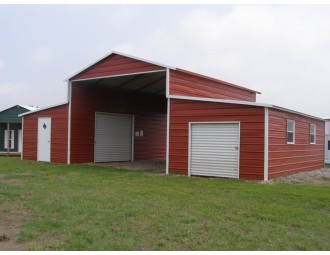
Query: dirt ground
point(10, 225)
point(157, 165)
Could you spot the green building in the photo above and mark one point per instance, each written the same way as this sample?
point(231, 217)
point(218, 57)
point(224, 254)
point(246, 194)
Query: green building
point(9, 118)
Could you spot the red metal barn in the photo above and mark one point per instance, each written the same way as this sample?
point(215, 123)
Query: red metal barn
point(123, 108)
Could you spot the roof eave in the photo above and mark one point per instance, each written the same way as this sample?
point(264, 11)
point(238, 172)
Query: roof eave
point(296, 112)
point(216, 100)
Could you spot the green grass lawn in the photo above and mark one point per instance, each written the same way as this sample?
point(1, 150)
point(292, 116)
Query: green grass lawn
point(84, 207)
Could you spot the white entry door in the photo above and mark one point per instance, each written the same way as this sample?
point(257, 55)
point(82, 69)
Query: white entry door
point(214, 149)
point(44, 142)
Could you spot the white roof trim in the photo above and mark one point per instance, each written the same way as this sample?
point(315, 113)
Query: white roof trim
point(124, 55)
point(118, 75)
point(215, 100)
point(143, 60)
point(41, 109)
point(295, 112)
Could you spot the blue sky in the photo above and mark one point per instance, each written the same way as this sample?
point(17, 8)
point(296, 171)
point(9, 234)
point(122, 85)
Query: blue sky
point(282, 51)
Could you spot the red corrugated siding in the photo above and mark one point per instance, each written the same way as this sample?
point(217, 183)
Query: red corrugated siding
point(149, 112)
point(251, 134)
point(59, 134)
point(290, 158)
point(183, 83)
point(116, 65)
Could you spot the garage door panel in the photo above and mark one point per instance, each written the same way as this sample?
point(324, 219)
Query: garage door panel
point(212, 155)
point(215, 173)
point(205, 135)
point(211, 161)
point(214, 149)
point(210, 147)
point(113, 137)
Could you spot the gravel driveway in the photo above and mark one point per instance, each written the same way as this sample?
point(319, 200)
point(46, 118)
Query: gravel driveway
point(318, 177)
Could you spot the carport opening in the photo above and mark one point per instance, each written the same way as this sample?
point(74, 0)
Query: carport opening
point(142, 96)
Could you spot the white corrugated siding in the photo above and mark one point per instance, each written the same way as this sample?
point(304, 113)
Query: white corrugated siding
point(113, 137)
point(214, 149)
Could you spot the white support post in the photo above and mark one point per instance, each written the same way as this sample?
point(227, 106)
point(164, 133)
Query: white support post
point(266, 134)
point(168, 137)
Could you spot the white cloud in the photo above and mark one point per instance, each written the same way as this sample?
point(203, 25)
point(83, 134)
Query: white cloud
point(124, 14)
point(9, 89)
point(42, 55)
point(13, 93)
point(125, 48)
point(282, 51)
point(2, 64)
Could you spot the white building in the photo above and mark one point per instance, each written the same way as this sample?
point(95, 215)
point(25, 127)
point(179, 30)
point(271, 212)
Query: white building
point(327, 140)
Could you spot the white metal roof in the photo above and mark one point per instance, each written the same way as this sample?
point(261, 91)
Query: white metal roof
point(30, 108)
point(41, 109)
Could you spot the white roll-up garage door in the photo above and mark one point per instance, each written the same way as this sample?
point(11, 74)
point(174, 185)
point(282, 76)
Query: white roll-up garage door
point(113, 137)
point(214, 149)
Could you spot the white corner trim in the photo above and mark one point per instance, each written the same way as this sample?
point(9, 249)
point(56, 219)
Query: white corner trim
point(189, 148)
point(168, 136)
point(266, 135)
point(69, 122)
